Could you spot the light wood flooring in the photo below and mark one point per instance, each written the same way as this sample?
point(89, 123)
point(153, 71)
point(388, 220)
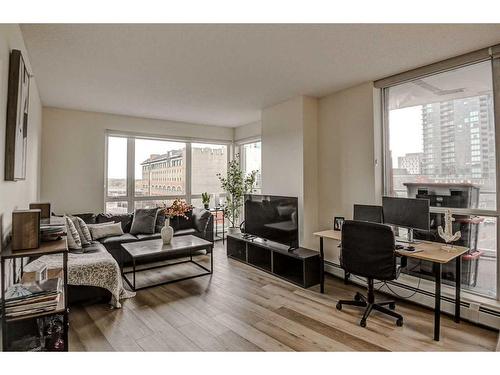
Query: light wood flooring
point(240, 308)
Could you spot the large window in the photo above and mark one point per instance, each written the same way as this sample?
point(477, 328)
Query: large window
point(250, 158)
point(144, 173)
point(440, 144)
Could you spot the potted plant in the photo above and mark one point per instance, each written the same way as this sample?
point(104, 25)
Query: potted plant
point(179, 207)
point(236, 185)
point(205, 198)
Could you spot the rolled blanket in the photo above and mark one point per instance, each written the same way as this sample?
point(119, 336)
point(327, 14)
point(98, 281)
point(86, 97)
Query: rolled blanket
point(89, 269)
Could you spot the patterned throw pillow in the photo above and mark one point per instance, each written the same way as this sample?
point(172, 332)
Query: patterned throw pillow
point(74, 241)
point(82, 229)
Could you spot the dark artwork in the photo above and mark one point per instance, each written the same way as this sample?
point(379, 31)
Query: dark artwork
point(16, 135)
point(337, 222)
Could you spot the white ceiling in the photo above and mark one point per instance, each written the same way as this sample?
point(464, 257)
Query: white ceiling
point(225, 74)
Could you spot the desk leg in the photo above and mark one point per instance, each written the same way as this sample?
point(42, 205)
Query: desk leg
point(437, 301)
point(458, 286)
point(321, 266)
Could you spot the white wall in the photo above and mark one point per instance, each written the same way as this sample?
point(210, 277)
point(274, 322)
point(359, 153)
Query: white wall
point(20, 193)
point(289, 158)
point(248, 131)
point(349, 155)
point(73, 152)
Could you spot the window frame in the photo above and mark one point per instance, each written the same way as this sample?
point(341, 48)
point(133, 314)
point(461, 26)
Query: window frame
point(238, 148)
point(131, 196)
point(495, 70)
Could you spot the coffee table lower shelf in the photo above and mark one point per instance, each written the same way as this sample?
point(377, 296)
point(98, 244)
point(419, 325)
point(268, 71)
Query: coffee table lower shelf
point(181, 252)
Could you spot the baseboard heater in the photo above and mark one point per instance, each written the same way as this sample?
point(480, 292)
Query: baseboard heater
point(483, 316)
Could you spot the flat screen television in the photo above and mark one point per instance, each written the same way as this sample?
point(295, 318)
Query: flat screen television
point(273, 218)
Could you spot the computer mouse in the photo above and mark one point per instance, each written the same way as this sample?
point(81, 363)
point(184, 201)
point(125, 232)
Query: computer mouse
point(410, 248)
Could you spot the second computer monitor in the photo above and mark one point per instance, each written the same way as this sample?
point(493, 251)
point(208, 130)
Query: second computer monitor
point(364, 212)
point(406, 212)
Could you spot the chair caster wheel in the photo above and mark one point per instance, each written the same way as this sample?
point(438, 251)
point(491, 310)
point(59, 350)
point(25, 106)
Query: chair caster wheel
point(339, 306)
point(399, 322)
point(392, 306)
point(357, 297)
point(362, 323)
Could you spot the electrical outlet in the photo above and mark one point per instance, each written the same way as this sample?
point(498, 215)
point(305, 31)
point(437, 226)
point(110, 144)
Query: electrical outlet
point(474, 306)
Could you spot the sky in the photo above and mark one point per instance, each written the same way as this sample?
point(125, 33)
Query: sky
point(405, 127)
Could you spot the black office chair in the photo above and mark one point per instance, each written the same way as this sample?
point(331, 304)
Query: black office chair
point(368, 250)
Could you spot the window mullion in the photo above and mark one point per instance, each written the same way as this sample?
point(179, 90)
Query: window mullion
point(130, 173)
point(188, 170)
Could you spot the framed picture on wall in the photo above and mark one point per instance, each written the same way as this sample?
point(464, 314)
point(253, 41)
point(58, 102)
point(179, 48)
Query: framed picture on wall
point(16, 133)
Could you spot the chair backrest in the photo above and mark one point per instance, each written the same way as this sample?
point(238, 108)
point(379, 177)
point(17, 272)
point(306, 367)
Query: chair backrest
point(364, 212)
point(368, 250)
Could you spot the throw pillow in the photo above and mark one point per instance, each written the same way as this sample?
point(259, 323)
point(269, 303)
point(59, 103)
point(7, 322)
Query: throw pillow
point(74, 241)
point(144, 221)
point(124, 219)
point(200, 219)
point(82, 229)
point(99, 231)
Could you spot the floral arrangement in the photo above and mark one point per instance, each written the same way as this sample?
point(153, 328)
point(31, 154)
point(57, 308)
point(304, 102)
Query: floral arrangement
point(178, 208)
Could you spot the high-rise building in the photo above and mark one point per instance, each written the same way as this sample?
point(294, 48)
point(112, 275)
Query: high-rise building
point(458, 141)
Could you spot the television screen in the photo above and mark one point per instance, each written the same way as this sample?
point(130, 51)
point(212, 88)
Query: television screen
point(272, 217)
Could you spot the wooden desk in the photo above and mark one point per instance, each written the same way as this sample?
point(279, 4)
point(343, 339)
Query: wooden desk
point(431, 252)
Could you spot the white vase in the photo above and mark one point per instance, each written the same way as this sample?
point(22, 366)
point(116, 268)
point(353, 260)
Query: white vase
point(167, 232)
point(233, 230)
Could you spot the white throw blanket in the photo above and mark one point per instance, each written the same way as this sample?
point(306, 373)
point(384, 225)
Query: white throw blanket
point(92, 269)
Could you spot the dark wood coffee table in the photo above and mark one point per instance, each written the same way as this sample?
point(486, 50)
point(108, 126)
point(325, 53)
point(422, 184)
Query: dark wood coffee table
point(180, 247)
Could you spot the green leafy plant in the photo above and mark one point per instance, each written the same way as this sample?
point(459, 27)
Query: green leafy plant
point(205, 198)
point(236, 185)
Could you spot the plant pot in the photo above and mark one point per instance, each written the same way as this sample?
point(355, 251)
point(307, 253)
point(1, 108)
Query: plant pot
point(167, 232)
point(233, 230)
point(206, 206)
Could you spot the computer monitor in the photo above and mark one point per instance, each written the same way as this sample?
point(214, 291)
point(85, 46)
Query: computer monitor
point(409, 213)
point(364, 212)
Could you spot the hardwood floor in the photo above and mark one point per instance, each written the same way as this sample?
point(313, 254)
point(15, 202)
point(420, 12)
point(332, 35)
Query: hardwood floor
point(243, 309)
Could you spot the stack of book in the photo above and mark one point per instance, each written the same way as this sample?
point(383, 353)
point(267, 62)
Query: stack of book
point(52, 232)
point(32, 298)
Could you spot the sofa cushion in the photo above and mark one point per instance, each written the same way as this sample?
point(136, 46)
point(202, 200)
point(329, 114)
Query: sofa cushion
point(145, 237)
point(117, 240)
point(125, 220)
point(184, 232)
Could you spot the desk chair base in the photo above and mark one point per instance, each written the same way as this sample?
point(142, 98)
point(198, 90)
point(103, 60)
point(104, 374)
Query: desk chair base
point(370, 305)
